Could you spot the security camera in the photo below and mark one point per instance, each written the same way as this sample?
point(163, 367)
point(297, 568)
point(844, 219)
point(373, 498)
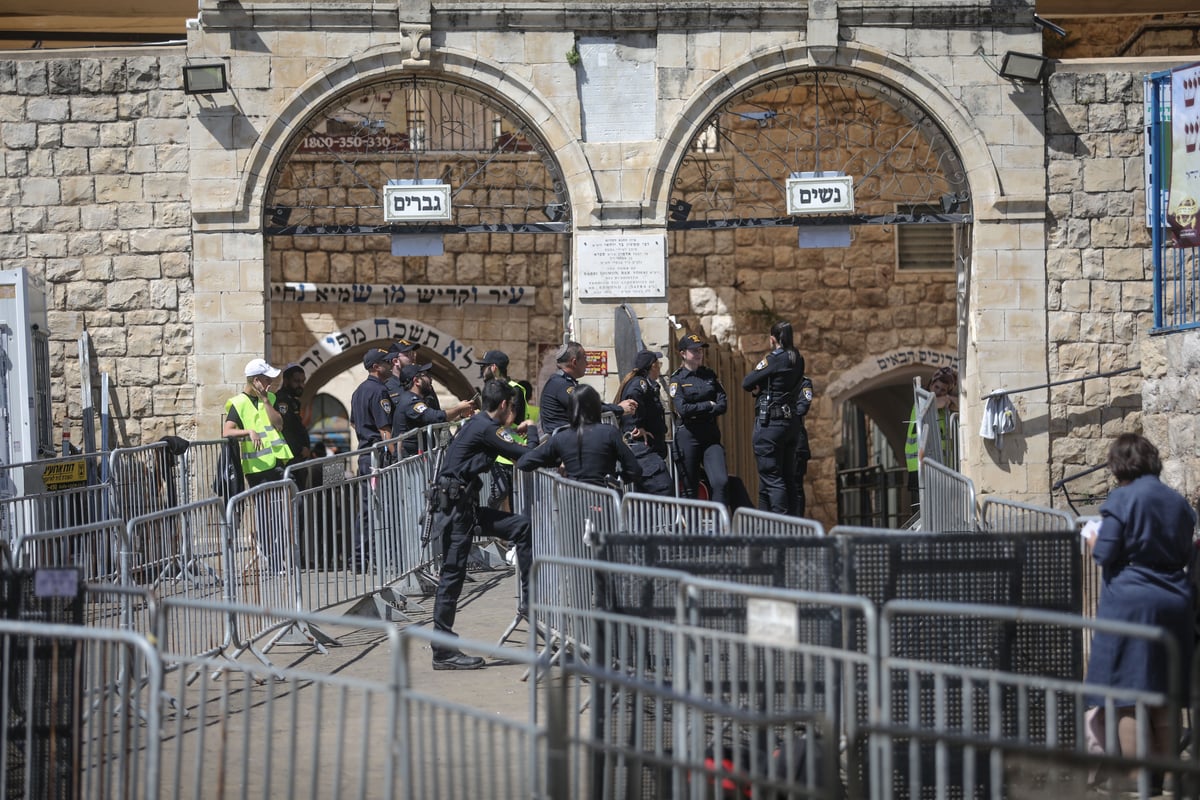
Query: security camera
point(1047, 25)
point(671, 319)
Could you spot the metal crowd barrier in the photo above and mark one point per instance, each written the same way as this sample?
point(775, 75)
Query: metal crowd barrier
point(53, 493)
point(997, 514)
point(672, 686)
point(77, 723)
point(96, 550)
point(947, 499)
point(569, 525)
point(181, 552)
point(650, 514)
point(670, 701)
point(198, 467)
point(994, 672)
point(241, 728)
point(751, 521)
point(144, 479)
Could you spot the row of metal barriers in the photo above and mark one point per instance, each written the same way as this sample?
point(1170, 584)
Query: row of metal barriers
point(608, 572)
point(783, 694)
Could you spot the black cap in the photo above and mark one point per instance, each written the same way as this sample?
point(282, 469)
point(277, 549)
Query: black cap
point(646, 358)
point(411, 371)
point(692, 342)
point(403, 346)
point(293, 367)
point(375, 356)
point(497, 357)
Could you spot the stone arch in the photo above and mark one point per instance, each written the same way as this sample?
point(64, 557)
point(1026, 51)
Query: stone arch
point(344, 348)
point(386, 62)
point(921, 89)
point(882, 387)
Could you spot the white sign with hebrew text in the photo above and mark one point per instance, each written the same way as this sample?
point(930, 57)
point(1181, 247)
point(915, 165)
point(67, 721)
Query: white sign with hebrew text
point(416, 202)
point(832, 195)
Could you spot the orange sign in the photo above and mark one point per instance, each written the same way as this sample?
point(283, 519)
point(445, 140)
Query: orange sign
point(597, 362)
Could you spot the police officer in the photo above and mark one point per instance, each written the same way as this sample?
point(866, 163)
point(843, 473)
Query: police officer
point(413, 413)
point(646, 428)
point(287, 403)
point(697, 398)
point(588, 450)
point(494, 366)
point(457, 517)
point(803, 453)
point(401, 354)
point(775, 383)
point(556, 394)
point(371, 418)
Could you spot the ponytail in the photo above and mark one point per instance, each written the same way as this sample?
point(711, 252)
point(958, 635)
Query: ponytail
point(782, 331)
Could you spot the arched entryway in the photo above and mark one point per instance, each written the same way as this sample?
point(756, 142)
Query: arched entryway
point(487, 274)
point(881, 277)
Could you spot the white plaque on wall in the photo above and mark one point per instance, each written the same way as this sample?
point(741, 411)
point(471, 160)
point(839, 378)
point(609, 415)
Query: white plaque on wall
point(617, 82)
point(621, 265)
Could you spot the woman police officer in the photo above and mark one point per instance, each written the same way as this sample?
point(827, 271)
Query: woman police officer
point(698, 398)
point(775, 382)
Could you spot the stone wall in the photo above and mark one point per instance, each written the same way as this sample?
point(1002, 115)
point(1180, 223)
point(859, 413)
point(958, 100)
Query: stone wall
point(94, 202)
point(1099, 266)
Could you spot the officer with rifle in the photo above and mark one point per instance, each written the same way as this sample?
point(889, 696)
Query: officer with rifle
point(455, 517)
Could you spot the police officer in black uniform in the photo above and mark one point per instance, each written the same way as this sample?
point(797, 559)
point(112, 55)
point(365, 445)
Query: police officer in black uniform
point(645, 430)
point(457, 516)
point(494, 366)
point(803, 453)
point(775, 383)
point(287, 403)
point(556, 394)
point(371, 417)
point(412, 412)
point(588, 449)
point(697, 398)
point(401, 354)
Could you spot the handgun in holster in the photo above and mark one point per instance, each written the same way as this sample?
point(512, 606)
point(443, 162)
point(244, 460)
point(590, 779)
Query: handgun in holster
point(442, 496)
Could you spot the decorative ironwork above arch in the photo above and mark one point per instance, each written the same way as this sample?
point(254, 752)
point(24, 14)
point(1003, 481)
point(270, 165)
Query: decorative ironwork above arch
point(330, 179)
point(822, 121)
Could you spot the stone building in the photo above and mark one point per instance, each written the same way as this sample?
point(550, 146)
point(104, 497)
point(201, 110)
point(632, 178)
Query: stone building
point(605, 161)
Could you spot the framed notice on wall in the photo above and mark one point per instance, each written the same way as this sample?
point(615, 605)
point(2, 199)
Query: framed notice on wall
point(621, 265)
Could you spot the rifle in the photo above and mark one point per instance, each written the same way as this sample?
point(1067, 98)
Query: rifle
point(432, 497)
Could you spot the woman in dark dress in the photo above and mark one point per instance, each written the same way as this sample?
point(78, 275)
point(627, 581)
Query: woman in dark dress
point(1144, 548)
point(588, 450)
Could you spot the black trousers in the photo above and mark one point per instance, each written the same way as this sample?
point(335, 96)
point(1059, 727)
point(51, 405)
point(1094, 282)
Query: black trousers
point(775, 455)
point(694, 451)
point(457, 528)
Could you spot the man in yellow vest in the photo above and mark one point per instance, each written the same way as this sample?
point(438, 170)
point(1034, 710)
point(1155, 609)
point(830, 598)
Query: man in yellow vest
point(253, 414)
point(944, 387)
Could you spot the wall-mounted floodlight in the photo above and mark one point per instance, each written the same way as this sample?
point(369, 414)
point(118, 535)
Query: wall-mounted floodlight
point(204, 79)
point(1023, 67)
point(555, 211)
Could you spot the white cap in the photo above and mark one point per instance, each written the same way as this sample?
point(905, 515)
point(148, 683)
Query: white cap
point(260, 367)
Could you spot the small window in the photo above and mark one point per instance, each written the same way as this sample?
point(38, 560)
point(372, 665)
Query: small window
point(925, 245)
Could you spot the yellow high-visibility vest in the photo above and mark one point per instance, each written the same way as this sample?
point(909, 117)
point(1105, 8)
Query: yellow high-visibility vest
point(272, 449)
